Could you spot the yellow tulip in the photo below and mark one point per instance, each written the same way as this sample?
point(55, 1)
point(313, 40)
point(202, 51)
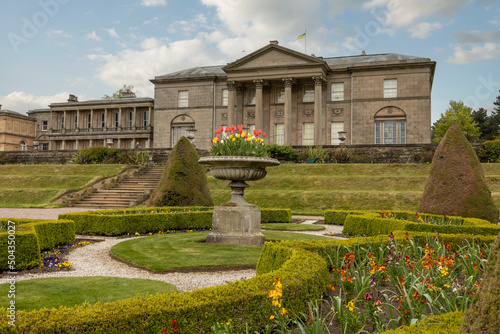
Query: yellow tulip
point(234, 139)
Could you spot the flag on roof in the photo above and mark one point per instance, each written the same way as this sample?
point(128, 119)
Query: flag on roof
point(302, 36)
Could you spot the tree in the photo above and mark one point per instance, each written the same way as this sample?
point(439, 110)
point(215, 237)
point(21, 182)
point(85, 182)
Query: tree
point(460, 115)
point(120, 92)
point(482, 119)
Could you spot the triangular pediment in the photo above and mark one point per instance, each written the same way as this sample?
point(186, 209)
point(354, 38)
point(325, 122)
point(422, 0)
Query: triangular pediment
point(273, 56)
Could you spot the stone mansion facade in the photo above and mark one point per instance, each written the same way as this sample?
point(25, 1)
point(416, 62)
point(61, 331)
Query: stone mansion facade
point(297, 99)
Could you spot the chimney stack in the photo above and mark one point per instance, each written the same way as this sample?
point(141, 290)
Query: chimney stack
point(0, 107)
point(274, 42)
point(72, 98)
point(128, 95)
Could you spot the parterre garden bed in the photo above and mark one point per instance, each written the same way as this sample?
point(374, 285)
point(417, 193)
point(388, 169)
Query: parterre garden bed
point(379, 282)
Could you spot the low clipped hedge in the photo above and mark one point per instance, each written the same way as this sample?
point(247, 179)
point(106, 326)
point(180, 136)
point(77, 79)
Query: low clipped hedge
point(434, 324)
point(304, 276)
point(337, 217)
point(153, 219)
point(370, 223)
point(32, 236)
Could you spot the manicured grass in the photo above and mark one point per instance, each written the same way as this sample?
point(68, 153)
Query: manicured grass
point(313, 188)
point(71, 291)
point(185, 251)
point(38, 185)
point(292, 227)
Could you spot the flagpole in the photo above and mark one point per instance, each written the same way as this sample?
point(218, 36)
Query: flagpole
point(305, 42)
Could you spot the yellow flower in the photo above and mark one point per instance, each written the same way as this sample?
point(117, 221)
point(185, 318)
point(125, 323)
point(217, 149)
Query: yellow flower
point(231, 136)
point(249, 139)
point(233, 139)
point(276, 303)
point(271, 317)
point(444, 271)
point(446, 286)
point(283, 311)
point(228, 322)
point(350, 306)
point(238, 135)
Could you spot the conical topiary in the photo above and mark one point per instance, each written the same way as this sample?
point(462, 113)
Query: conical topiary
point(456, 185)
point(184, 181)
point(483, 315)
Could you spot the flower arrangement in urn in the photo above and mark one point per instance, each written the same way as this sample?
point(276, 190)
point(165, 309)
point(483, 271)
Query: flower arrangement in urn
point(234, 141)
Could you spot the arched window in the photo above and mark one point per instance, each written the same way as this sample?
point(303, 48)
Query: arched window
point(390, 126)
point(23, 145)
point(179, 126)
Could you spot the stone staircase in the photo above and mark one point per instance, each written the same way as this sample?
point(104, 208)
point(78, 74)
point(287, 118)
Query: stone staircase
point(131, 191)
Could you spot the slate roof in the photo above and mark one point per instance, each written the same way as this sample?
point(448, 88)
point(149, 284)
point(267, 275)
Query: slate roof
point(103, 101)
point(333, 62)
point(14, 113)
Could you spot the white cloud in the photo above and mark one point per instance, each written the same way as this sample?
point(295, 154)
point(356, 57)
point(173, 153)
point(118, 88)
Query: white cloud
point(153, 3)
point(137, 67)
point(82, 82)
point(424, 29)
point(92, 35)
point(62, 33)
point(112, 32)
point(414, 15)
point(22, 102)
point(488, 51)
point(150, 21)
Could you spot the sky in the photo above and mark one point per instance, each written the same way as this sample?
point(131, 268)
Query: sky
point(52, 48)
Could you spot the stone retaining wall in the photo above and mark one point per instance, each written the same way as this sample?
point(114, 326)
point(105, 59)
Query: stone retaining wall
point(414, 153)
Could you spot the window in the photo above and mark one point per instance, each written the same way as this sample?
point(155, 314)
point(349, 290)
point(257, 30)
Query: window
point(89, 121)
point(75, 121)
point(308, 93)
point(23, 145)
point(386, 132)
point(280, 95)
point(225, 97)
point(45, 146)
point(45, 125)
point(251, 96)
point(338, 91)
point(103, 120)
point(390, 132)
point(336, 127)
point(145, 116)
point(402, 132)
point(62, 121)
point(390, 88)
point(377, 132)
point(308, 134)
point(279, 134)
point(130, 119)
point(117, 119)
point(183, 99)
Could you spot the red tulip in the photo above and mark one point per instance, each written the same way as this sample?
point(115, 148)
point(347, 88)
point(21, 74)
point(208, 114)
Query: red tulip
point(264, 134)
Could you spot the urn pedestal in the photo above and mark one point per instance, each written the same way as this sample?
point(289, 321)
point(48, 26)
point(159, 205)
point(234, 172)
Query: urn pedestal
point(237, 222)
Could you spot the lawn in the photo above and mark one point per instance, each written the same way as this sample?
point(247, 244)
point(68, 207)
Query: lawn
point(314, 188)
point(38, 185)
point(70, 291)
point(187, 251)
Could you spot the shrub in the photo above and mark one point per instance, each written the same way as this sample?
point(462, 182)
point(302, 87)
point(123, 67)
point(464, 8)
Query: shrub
point(317, 152)
point(341, 155)
point(99, 155)
point(282, 152)
point(490, 150)
point(433, 324)
point(154, 219)
point(33, 236)
point(138, 157)
point(304, 276)
point(184, 181)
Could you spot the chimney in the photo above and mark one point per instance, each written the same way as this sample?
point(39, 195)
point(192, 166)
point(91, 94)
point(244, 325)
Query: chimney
point(0, 107)
point(72, 98)
point(363, 53)
point(274, 42)
point(128, 95)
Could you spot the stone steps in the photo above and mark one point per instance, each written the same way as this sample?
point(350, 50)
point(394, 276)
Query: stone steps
point(129, 192)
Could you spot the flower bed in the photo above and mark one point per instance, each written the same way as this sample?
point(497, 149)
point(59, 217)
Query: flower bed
point(153, 219)
point(30, 237)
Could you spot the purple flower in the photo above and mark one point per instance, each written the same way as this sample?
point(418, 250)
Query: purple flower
point(367, 296)
point(372, 282)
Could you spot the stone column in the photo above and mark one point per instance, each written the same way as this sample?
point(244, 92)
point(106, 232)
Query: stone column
point(64, 124)
point(90, 143)
point(119, 121)
point(239, 105)
point(231, 96)
point(259, 112)
point(77, 146)
point(77, 121)
point(149, 116)
point(91, 121)
point(133, 120)
point(288, 111)
point(63, 143)
point(105, 118)
point(119, 143)
point(319, 120)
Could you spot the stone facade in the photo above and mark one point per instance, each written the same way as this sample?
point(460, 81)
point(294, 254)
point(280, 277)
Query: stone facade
point(119, 123)
point(299, 99)
point(17, 131)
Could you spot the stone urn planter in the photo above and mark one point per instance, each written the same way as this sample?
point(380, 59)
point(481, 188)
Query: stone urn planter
point(237, 222)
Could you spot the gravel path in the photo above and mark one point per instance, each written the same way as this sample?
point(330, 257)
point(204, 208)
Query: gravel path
point(94, 259)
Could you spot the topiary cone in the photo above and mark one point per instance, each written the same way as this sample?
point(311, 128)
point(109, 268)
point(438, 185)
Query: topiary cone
point(184, 181)
point(456, 185)
point(483, 315)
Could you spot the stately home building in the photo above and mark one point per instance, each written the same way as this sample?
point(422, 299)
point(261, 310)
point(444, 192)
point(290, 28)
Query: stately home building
point(17, 131)
point(125, 122)
point(299, 99)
